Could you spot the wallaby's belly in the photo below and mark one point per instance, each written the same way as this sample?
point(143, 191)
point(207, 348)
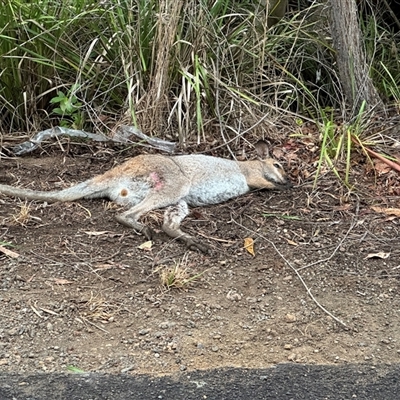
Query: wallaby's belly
point(212, 180)
point(216, 191)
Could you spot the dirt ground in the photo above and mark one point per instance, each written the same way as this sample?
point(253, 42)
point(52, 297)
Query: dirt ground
point(322, 287)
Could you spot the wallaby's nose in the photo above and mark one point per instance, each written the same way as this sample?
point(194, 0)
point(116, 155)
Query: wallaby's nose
point(287, 184)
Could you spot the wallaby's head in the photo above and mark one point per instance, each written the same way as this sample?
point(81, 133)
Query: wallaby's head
point(272, 169)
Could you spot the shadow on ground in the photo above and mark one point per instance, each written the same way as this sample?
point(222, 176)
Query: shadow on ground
point(285, 381)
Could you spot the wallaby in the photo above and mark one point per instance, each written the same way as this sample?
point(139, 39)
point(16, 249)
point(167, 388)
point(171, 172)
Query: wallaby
point(149, 182)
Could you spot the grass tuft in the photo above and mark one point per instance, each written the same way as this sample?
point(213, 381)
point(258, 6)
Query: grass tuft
point(176, 277)
point(23, 216)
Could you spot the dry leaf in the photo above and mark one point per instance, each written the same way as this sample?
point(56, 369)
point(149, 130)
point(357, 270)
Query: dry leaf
point(146, 245)
point(377, 255)
point(8, 252)
point(387, 211)
point(382, 167)
point(249, 245)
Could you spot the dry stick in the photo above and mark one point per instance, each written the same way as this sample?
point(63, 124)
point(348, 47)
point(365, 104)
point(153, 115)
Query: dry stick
point(297, 273)
point(8, 316)
point(391, 163)
point(334, 251)
point(96, 326)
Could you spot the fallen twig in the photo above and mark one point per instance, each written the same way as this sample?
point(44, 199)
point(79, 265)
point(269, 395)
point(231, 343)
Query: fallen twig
point(96, 326)
point(123, 135)
point(296, 271)
point(8, 252)
point(164, 145)
point(373, 153)
point(391, 163)
point(334, 251)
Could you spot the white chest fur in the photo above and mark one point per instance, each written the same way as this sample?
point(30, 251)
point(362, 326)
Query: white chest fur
point(212, 180)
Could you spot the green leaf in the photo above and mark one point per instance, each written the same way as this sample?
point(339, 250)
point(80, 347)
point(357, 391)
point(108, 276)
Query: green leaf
point(76, 370)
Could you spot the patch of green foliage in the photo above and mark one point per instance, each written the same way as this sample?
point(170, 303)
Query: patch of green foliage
point(187, 69)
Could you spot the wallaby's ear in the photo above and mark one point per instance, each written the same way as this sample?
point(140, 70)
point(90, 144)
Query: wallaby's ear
point(262, 149)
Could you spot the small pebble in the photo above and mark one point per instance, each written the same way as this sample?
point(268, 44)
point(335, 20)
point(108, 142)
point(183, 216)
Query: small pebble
point(290, 318)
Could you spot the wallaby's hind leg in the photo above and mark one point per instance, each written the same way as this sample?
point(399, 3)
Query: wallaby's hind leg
point(127, 220)
point(130, 218)
point(173, 217)
point(154, 200)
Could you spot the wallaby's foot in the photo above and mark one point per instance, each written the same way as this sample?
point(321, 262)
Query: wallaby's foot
point(143, 229)
point(148, 233)
point(193, 245)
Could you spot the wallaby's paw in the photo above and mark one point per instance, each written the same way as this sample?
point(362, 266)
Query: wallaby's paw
point(148, 233)
point(193, 245)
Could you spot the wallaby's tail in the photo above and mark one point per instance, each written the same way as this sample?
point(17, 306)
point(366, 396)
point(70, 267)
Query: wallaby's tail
point(87, 189)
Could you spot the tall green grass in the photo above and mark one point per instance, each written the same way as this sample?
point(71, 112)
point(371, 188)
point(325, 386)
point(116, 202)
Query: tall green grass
point(189, 70)
point(213, 65)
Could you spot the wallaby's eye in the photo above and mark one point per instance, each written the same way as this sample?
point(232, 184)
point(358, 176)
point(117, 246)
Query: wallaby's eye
point(277, 166)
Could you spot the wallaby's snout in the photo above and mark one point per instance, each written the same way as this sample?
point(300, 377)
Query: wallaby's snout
point(272, 169)
point(287, 185)
point(283, 184)
point(275, 173)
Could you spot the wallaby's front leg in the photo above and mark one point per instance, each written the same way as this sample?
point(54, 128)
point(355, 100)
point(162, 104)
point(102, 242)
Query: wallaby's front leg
point(259, 182)
point(173, 217)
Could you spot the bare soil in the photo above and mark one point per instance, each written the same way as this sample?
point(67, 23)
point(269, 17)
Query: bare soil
point(83, 294)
